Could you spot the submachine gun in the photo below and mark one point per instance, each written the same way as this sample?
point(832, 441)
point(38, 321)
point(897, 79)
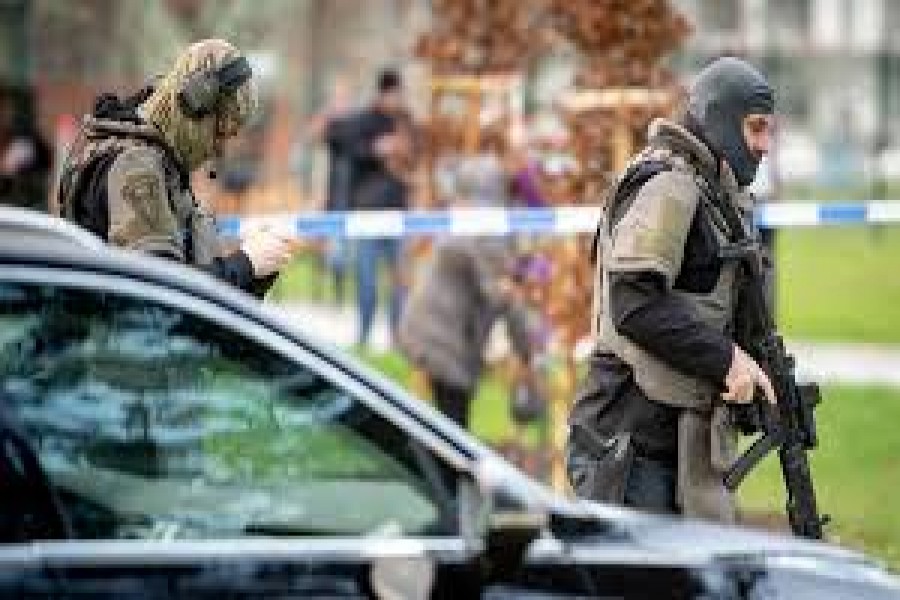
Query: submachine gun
point(789, 425)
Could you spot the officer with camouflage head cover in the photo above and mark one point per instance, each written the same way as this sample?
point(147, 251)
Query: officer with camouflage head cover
point(127, 178)
point(650, 427)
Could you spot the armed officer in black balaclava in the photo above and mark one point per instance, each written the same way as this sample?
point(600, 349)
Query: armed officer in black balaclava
point(650, 427)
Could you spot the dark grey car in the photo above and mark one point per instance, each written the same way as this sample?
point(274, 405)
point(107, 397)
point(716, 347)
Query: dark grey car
point(166, 436)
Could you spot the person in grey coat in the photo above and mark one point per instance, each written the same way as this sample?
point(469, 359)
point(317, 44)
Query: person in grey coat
point(449, 315)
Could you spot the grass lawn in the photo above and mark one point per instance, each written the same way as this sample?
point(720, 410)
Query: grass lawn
point(840, 283)
point(304, 280)
point(856, 470)
point(852, 191)
point(834, 283)
point(490, 409)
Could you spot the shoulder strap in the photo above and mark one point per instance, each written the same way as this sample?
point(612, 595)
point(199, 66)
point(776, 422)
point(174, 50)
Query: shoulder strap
point(82, 194)
point(721, 210)
point(713, 200)
point(623, 193)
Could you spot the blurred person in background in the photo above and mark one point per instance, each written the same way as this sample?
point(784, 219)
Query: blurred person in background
point(651, 427)
point(127, 177)
point(330, 126)
point(378, 142)
point(481, 179)
point(524, 167)
point(465, 288)
point(25, 157)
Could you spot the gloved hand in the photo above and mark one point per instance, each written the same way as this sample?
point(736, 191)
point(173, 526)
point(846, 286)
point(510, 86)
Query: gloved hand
point(268, 251)
point(743, 377)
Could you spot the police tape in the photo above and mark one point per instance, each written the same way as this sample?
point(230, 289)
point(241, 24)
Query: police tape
point(562, 220)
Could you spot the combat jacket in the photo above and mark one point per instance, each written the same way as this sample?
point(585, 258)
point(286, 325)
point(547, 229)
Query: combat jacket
point(651, 236)
point(661, 243)
point(124, 183)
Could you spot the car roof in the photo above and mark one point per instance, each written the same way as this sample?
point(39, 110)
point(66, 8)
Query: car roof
point(21, 226)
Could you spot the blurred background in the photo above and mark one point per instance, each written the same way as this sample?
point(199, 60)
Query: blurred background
point(834, 62)
point(534, 104)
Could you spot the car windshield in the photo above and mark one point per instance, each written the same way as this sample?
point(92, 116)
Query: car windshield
point(153, 423)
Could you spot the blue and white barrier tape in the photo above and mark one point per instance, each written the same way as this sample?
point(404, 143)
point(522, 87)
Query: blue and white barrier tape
point(561, 220)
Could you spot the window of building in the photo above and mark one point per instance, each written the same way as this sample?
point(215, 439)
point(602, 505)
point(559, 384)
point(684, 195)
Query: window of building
point(719, 15)
point(889, 95)
point(789, 20)
point(891, 19)
point(790, 81)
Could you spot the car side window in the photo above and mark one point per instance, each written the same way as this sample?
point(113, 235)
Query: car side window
point(154, 423)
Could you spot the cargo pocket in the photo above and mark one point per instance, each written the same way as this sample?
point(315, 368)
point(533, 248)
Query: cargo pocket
point(598, 465)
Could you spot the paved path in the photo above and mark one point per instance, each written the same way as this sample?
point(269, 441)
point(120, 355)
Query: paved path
point(822, 362)
point(847, 363)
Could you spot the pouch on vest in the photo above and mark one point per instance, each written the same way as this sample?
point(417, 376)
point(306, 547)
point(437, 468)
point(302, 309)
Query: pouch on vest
point(204, 237)
point(82, 193)
point(598, 465)
point(200, 238)
point(701, 488)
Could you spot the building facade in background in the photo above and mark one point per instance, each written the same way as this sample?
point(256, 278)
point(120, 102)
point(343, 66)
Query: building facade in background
point(68, 52)
point(835, 63)
point(14, 56)
point(836, 67)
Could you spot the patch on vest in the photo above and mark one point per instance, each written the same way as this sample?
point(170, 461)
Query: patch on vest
point(145, 208)
point(652, 234)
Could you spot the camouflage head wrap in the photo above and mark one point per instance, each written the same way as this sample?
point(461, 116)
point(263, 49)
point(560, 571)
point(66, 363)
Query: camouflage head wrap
point(196, 141)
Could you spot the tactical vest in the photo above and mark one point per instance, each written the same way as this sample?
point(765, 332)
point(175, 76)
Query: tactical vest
point(83, 194)
point(656, 379)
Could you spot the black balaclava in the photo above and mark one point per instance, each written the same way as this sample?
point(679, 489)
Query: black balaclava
point(725, 92)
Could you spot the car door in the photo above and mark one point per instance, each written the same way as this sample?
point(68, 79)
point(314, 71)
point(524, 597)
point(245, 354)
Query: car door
point(192, 451)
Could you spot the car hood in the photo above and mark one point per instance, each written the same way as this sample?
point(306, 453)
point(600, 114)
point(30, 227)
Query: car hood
point(594, 533)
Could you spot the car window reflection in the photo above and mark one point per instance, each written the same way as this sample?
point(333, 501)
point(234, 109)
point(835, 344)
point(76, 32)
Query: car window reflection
point(153, 423)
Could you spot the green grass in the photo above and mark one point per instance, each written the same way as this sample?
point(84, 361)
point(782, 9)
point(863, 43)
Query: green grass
point(834, 283)
point(850, 192)
point(489, 413)
point(308, 279)
point(840, 283)
point(856, 470)
point(304, 280)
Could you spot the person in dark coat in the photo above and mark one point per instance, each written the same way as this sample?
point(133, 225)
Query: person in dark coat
point(331, 127)
point(377, 142)
point(449, 315)
point(25, 157)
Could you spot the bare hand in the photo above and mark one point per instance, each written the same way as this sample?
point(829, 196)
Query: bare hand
point(388, 145)
point(743, 377)
point(268, 251)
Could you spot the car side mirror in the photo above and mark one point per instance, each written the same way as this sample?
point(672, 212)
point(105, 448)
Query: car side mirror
point(503, 524)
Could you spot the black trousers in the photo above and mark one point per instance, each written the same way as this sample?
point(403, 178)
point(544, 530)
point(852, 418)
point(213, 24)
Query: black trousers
point(452, 400)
